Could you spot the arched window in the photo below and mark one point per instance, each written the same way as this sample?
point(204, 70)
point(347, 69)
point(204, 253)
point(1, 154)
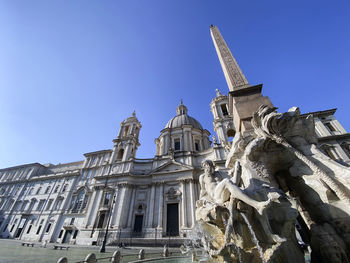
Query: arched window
point(126, 130)
point(224, 109)
point(120, 155)
point(79, 201)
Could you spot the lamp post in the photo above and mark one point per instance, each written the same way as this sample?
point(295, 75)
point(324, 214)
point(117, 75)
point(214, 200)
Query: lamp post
point(103, 247)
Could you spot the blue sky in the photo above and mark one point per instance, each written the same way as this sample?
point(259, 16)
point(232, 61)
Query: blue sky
point(71, 71)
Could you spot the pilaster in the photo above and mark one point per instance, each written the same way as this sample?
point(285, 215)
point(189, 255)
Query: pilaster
point(183, 204)
point(193, 203)
point(161, 206)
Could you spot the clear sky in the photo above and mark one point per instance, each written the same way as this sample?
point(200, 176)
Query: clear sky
point(71, 71)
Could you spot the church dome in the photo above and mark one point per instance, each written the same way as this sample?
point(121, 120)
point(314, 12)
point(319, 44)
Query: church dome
point(182, 119)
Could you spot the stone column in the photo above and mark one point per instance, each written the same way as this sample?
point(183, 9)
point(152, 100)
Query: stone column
point(183, 204)
point(167, 143)
point(161, 205)
point(191, 143)
point(113, 155)
point(150, 208)
point(125, 207)
point(156, 141)
point(127, 151)
point(92, 204)
point(131, 208)
point(113, 207)
point(94, 207)
point(119, 214)
point(193, 202)
point(185, 140)
point(117, 204)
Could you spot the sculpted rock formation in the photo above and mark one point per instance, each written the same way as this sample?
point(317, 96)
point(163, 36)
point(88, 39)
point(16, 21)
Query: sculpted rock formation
point(279, 182)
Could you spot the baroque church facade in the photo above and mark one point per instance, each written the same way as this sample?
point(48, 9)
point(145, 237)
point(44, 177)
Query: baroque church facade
point(136, 199)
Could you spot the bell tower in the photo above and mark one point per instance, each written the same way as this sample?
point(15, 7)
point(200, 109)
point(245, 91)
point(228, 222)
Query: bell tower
point(223, 124)
point(127, 141)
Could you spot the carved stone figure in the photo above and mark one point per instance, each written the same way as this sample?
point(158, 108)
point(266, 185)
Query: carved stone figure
point(217, 188)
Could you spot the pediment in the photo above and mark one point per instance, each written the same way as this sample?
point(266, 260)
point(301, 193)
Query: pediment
point(171, 166)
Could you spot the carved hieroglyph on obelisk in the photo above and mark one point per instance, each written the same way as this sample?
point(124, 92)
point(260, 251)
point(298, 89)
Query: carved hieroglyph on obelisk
point(244, 98)
point(233, 74)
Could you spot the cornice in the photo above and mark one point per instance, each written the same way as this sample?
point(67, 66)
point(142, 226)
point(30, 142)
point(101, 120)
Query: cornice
point(334, 137)
point(319, 113)
point(43, 178)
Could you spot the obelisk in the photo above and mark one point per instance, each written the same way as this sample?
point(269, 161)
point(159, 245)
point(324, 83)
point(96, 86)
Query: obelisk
point(244, 98)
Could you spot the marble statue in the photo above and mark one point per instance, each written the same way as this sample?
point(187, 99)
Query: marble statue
point(218, 188)
point(280, 179)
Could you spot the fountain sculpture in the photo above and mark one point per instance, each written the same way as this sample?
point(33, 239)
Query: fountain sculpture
point(278, 179)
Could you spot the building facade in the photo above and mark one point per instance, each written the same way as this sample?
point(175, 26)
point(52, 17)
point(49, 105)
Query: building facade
point(138, 199)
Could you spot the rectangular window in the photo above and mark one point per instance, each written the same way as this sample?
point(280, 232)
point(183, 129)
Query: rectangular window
point(126, 130)
point(196, 145)
point(49, 204)
point(330, 127)
point(29, 228)
point(48, 228)
point(38, 231)
point(61, 233)
point(89, 174)
point(40, 205)
point(24, 205)
point(107, 198)
point(58, 204)
point(177, 145)
point(17, 206)
point(75, 234)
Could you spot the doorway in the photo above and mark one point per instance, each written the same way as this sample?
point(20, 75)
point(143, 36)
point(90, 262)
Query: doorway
point(67, 236)
point(138, 223)
point(172, 221)
point(20, 227)
point(101, 220)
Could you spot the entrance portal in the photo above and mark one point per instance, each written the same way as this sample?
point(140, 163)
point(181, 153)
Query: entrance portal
point(67, 236)
point(20, 227)
point(172, 222)
point(138, 223)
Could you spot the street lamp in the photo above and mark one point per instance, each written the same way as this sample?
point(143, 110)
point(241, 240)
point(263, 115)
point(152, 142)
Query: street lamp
point(103, 247)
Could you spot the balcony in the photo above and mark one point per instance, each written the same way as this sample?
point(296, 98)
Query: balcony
point(69, 226)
